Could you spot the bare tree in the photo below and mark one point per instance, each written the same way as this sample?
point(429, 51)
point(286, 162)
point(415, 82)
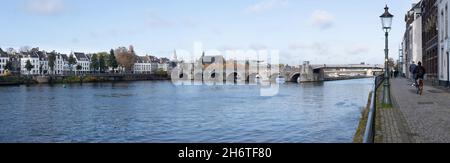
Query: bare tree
point(25, 49)
point(10, 51)
point(126, 58)
point(391, 63)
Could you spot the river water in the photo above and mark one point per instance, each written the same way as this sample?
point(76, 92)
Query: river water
point(160, 112)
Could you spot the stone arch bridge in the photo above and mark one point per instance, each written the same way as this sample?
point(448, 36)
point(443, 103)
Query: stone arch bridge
point(302, 73)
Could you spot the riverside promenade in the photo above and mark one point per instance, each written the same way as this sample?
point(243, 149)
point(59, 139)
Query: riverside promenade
point(414, 118)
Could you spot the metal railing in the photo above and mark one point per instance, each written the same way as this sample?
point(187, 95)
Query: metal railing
point(369, 134)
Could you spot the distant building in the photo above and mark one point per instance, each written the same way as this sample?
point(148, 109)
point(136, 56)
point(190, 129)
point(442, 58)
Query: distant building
point(66, 67)
point(430, 38)
point(43, 63)
point(33, 57)
point(4, 58)
point(413, 37)
point(143, 65)
point(84, 61)
point(61, 64)
point(444, 42)
point(15, 61)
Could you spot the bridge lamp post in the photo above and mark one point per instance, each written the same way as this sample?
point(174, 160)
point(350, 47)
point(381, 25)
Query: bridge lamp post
point(386, 21)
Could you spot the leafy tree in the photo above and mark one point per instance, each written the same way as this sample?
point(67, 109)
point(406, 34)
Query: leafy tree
point(391, 63)
point(29, 66)
point(112, 62)
point(51, 62)
point(102, 62)
point(161, 72)
point(72, 61)
point(94, 63)
point(41, 68)
point(8, 65)
point(79, 67)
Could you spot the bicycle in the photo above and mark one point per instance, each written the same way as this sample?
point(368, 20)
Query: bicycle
point(420, 87)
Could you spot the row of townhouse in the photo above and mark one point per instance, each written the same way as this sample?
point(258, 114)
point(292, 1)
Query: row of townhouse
point(150, 64)
point(426, 40)
point(39, 60)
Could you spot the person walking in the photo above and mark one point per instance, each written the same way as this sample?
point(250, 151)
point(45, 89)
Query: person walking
point(412, 76)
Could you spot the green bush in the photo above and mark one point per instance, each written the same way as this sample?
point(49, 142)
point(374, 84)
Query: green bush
point(12, 79)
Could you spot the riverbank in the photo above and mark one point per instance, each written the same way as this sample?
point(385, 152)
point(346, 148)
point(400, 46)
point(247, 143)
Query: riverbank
point(20, 80)
point(359, 135)
point(11, 80)
point(346, 78)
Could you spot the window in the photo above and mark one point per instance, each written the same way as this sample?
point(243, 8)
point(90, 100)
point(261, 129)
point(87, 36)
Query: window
point(446, 21)
point(443, 63)
point(442, 26)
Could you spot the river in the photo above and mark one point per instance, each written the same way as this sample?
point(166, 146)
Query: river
point(160, 112)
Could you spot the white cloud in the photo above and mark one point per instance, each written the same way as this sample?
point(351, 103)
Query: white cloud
point(322, 19)
point(316, 47)
point(266, 5)
point(45, 7)
point(358, 49)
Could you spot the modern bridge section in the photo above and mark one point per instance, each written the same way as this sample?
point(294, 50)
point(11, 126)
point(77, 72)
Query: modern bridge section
point(317, 73)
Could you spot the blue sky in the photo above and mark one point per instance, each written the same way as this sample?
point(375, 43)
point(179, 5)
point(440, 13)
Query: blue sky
point(320, 31)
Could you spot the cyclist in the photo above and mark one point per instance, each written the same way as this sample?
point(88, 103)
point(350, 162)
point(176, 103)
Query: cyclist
point(420, 73)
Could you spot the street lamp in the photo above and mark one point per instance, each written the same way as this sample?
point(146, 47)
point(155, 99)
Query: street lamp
point(386, 21)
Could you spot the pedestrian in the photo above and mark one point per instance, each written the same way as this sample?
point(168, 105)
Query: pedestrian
point(413, 75)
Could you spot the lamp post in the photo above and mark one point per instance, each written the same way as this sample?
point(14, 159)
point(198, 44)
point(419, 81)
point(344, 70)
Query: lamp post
point(386, 21)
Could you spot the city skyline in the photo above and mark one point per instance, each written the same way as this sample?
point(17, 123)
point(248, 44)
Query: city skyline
point(302, 30)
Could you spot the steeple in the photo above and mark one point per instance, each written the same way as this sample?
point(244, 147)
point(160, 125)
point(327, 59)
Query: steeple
point(174, 57)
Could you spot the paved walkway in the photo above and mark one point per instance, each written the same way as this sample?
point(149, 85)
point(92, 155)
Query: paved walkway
point(422, 119)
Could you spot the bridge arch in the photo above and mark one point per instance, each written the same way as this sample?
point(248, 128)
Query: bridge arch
point(235, 76)
point(293, 77)
point(251, 78)
point(274, 76)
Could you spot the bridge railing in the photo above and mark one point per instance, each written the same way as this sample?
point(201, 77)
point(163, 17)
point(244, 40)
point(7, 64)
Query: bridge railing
point(369, 134)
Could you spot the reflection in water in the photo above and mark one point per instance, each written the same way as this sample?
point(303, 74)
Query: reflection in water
point(162, 112)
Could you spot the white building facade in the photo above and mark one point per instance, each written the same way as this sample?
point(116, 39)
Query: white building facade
point(43, 63)
point(82, 60)
point(4, 58)
point(163, 66)
point(33, 57)
point(444, 41)
point(60, 64)
point(412, 46)
point(143, 65)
